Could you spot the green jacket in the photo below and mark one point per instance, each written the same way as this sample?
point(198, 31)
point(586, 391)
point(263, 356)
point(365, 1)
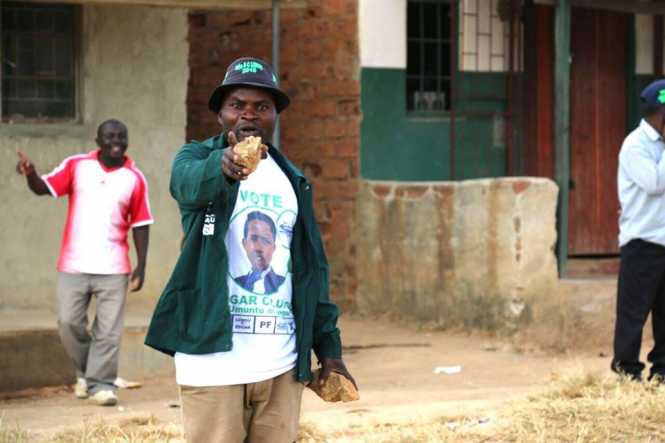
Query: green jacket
point(193, 314)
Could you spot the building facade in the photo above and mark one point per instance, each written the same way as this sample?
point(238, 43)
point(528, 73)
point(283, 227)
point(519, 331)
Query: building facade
point(383, 91)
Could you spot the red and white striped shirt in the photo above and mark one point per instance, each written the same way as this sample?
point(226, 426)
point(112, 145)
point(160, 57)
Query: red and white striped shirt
point(103, 205)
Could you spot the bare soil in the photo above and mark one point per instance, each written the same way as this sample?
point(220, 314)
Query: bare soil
point(395, 366)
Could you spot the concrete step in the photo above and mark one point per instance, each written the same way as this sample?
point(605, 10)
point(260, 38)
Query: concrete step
point(32, 356)
point(589, 294)
point(578, 316)
point(588, 307)
point(592, 267)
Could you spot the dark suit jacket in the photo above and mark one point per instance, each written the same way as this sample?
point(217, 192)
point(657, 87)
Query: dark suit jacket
point(271, 281)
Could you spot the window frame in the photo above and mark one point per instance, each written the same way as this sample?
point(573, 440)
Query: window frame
point(77, 37)
point(441, 77)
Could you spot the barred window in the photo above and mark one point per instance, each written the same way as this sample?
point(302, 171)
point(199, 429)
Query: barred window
point(38, 61)
point(428, 67)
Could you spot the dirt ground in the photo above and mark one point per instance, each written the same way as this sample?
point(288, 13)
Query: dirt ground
point(395, 367)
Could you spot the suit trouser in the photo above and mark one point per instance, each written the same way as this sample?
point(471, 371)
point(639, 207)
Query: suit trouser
point(641, 289)
point(95, 353)
point(264, 412)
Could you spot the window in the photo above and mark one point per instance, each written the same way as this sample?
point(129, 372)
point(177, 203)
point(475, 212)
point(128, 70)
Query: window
point(38, 62)
point(428, 66)
point(484, 36)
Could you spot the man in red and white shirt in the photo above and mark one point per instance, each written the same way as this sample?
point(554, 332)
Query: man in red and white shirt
point(108, 195)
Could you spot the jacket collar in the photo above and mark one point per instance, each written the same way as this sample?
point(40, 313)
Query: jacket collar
point(284, 162)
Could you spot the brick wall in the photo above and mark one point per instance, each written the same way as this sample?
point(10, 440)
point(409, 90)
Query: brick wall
point(320, 130)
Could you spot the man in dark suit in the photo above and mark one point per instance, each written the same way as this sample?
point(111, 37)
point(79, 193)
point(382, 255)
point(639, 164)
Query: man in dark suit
point(259, 243)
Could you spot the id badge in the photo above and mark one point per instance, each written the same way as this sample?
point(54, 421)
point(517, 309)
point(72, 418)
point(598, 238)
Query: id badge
point(209, 224)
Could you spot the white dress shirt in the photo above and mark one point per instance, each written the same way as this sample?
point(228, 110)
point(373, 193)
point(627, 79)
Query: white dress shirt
point(641, 183)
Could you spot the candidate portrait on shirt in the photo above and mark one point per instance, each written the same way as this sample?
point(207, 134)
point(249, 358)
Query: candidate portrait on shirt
point(259, 242)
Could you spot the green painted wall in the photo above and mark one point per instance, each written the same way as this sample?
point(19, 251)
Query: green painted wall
point(392, 145)
point(480, 147)
point(411, 147)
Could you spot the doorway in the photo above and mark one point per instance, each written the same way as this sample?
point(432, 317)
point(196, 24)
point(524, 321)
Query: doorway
point(598, 109)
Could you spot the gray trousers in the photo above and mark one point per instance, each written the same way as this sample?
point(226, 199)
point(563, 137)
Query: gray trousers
point(94, 353)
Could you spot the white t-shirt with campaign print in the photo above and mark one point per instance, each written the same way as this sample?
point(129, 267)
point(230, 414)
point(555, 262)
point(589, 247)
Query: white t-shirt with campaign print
point(260, 289)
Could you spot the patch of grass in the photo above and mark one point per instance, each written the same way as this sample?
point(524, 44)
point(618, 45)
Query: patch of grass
point(444, 429)
point(583, 407)
point(141, 429)
point(11, 434)
point(590, 408)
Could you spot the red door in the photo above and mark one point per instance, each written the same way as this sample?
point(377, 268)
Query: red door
point(597, 128)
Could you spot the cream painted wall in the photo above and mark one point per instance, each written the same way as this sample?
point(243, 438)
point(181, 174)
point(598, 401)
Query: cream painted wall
point(643, 44)
point(484, 39)
point(135, 68)
point(477, 252)
point(382, 26)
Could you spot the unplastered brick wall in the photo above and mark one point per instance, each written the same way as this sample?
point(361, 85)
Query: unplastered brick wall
point(320, 130)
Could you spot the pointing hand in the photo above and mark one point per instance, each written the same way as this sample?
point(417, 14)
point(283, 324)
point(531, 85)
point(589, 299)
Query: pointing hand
point(24, 165)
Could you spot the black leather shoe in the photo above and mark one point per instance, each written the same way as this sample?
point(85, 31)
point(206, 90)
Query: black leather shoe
point(621, 370)
point(658, 378)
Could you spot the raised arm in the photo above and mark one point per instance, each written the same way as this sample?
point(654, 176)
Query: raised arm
point(196, 175)
point(27, 168)
point(643, 170)
point(200, 174)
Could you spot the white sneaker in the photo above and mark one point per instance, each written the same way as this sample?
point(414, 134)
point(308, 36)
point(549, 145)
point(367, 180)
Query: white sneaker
point(81, 388)
point(104, 398)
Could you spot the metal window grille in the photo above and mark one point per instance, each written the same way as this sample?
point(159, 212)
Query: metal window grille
point(38, 61)
point(429, 45)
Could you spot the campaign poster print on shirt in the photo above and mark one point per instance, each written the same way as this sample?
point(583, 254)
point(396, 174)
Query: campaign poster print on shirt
point(259, 279)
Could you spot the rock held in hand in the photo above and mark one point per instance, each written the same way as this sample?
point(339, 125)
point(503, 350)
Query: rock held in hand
point(336, 387)
point(249, 152)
